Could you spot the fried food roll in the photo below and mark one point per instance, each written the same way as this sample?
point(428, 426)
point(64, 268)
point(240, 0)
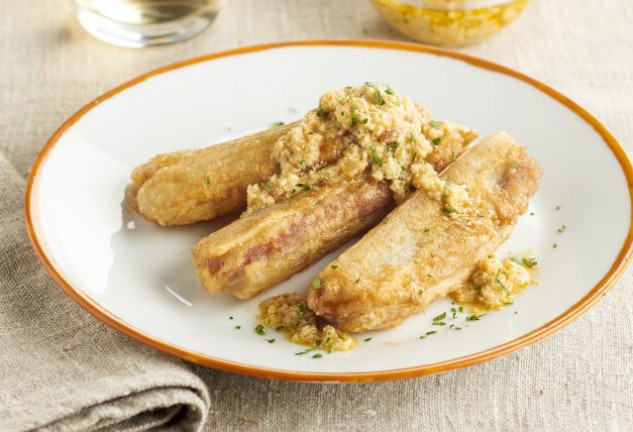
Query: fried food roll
point(265, 247)
point(195, 185)
point(429, 245)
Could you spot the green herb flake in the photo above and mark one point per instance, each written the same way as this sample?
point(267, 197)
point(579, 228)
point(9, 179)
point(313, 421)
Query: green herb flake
point(279, 328)
point(364, 121)
point(375, 156)
point(432, 332)
point(461, 309)
point(230, 317)
point(302, 308)
point(317, 355)
point(436, 141)
point(208, 181)
point(499, 282)
point(357, 280)
point(385, 221)
point(367, 339)
point(449, 210)
point(389, 91)
point(238, 327)
point(440, 317)
point(436, 124)
point(379, 98)
point(270, 340)
point(268, 185)
point(454, 312)
point(526, 262)
point(321, 113)
point(426, 230)
point(305, 187)
point(562, 229)
point(278, 165)
point(333, 266)
point(532, 214)
point(305, 351)
point(554, 246)
point(355, 118)
point(329, 348)
point(260, 330)
point(420, 292)
point(557, 207)
point(318, 342)
point(475, 317)
point(277, 124)
point(316, 283)
point(302, 165)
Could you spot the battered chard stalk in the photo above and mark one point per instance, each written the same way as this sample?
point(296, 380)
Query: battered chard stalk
point(189, 186)
point(426, 250)
point(391, 145)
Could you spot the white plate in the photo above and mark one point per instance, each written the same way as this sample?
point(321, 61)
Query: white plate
point(139, 278)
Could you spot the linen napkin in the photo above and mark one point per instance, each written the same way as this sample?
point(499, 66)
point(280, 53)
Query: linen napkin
point(62, 370)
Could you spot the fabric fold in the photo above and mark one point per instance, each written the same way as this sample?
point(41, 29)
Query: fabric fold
point(61, 369)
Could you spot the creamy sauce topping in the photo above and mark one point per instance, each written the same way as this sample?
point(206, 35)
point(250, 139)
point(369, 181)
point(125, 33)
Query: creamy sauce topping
point(289, 314)
point(494, 283)
point(367, 130)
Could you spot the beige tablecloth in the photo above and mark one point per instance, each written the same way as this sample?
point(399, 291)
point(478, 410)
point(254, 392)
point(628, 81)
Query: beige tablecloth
point(60, 367)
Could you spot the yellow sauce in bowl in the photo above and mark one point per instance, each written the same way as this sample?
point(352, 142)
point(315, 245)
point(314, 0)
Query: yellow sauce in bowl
point(449, 22)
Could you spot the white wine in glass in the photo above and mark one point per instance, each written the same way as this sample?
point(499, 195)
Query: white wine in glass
point(139, 23)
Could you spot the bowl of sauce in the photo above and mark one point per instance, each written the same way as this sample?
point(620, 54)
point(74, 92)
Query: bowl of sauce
point(452, 23)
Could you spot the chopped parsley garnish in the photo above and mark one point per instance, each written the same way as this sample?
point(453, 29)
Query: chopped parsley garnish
point(474, 317)
point(532, 214)
point(427, 230)
point(461, 309)
point(305, 351)
point(368, 84)
point(379, 98)
point(500, 283)
point(317, 355)
point(238, 327)
point(321, 112)
point(278, 165)
point(385, 221)
point(367, 339)
point(316, 283)
point(554, 246)
point(527, 262)
point(208, 181)
point(448, 210)
point(438, 320)
point(432, 332)
point(375, 156)
point(260, 330)
point(364, 121)
point(318, 342)
point(302, 165)
point(392, 146)
point(436, 124)
point(277, 124)
point(355, 118)
point(270, 340)
point(302, 308)
point(230, 318)
point(454, 312)
point(333, 266)
point(279, 328)
point(557, 207)
point(389, 91)
point(420, 292)
point(268, 185)
point(562, 229)
point(305, 187)
point(329, 348)
point(436, 141)
point(357, 280)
